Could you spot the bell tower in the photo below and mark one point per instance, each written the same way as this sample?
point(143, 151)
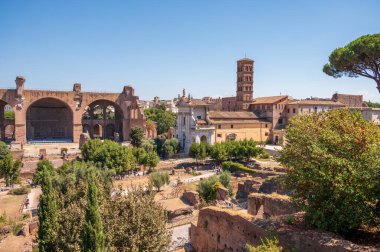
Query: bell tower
point(244, 83)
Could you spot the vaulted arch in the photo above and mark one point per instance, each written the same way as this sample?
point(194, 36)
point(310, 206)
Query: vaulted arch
point(49, 119)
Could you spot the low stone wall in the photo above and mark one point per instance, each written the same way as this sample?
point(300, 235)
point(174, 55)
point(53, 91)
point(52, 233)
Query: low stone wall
point(268, 205)
point(191, 197)
point(225, 230)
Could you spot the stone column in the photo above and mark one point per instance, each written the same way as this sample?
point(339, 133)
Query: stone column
point(20, 128)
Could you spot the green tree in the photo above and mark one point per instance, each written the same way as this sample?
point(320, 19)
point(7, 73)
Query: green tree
point(159, 179)
point(198, 151)
point(267, 244)
point(163, 119)
point(140, 156)
point(148, 145)
point(47, 214)
point(43, 165)
point(170, 147)
point(136, 222)
point(137, 136)
point(334, 168)
point(93, 235)
point(10, 169)
point(219, 153)
point(90, 149)
point(152, 159)
point(372, 104)
point(360, 57)
point(108, 154)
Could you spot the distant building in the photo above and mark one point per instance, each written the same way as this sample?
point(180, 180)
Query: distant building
point(371, 114)
point(351, 101)
point(310, 106)
point(191, 124)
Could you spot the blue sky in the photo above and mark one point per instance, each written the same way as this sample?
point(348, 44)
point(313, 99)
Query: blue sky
point(160, 47)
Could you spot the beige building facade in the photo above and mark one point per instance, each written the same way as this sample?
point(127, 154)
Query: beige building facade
point(231, 126)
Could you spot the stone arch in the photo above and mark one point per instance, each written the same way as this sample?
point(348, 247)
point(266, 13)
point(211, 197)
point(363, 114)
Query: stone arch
point(110, 131)
point(49, 119)
point(203, 139)
point(103, 113)
point(98, 131)
point(7, 122)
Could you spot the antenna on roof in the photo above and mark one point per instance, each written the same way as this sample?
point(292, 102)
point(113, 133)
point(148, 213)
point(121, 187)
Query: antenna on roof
point(245, 55)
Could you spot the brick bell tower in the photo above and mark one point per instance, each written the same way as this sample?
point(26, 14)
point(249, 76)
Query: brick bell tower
point(244, 84)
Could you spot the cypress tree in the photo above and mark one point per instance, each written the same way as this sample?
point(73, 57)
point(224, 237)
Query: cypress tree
point(47, 215)
point(93, 235)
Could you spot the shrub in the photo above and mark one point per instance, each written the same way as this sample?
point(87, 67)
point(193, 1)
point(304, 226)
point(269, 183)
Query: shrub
point(137, 136)
point(235, 167)
point(159, 179)
point(19, 191)
point(16, 228)
point(266, 245)
point(333, 162)
point(264, 155)
point(207, 187)
point(225, 180)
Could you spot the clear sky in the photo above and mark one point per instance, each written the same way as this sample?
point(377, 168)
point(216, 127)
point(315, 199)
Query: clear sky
point(162, 46)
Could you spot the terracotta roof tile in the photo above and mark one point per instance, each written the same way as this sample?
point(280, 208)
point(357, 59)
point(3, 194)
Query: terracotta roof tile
point(317, 102)
point(269, 99)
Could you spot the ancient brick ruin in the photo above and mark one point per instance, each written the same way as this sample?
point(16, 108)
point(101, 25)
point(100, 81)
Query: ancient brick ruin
point(45, 115)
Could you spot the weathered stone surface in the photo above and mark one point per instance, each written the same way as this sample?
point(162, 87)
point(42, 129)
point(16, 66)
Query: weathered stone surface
point(47, 114)
point(178, 212)
point(247, 187)
point(5, 230)
point(33, 228)
point(225, 230)
point(272, 186)
point(83, 138)
point(222, 193)
point(191, 197)
point(271, 205)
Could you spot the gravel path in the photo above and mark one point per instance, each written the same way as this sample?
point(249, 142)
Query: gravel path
point(180, 236)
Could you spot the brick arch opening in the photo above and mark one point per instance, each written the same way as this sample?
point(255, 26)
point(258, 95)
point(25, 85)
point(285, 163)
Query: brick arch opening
point(49, 119)
point(105, 118)
point(7, 122)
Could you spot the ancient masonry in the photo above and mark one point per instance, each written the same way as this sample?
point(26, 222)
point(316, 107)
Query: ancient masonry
point(44, 115)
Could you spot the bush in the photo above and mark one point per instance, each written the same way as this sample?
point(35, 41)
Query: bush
point(207, 187)
point(20, 190)
point(333, 162)
point(264, 155)
point(266, 245)
point(108, 154)
point(159, 179)
point(16, 228)
point(137, 136)
point(235, 167)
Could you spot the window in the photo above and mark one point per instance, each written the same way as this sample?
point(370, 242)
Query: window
point(266, 125)
point(232, 126)
point(288, 110)
point(219, 135)
point(280, 121)
point(294, 110)
point(184, 121)
point(219, 126)
point(199, 117)
point(266, 134)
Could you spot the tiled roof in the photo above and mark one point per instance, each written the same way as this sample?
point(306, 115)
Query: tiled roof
point(233, 117)
point(269, 99)
point(317, 102)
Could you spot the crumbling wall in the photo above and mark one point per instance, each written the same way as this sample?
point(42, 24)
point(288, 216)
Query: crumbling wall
point(220, 229)
point(270, 205)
